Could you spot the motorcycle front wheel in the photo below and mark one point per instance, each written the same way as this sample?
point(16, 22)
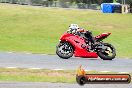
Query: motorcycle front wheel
point(64, 50)
point(108, 54)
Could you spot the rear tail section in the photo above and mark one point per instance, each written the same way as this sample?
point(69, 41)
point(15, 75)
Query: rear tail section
point(102, 36)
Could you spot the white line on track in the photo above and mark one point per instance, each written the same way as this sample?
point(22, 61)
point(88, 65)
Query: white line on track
point(123, 72)
point(88, 70)
point(57, 69)
point(10, 67)
point(60, 69)
point(25, 52)
point(35, 68)
point(104, 71)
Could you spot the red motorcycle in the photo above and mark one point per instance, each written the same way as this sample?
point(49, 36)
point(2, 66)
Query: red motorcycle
point(78, 45)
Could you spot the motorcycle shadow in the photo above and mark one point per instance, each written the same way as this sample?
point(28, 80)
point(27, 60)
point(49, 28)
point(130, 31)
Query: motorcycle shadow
point(82, 58)
point(90, 59)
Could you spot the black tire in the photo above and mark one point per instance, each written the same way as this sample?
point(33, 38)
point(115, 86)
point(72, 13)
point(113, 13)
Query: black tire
point(62, 54)
point(105, 56)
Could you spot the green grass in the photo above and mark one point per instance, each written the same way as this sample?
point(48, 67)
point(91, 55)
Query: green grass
point(28, 75)
point(37, 30)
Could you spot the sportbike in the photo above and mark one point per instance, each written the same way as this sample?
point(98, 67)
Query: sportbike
point(76, 44)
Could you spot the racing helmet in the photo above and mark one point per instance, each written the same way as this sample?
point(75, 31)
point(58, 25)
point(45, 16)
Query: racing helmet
point(73, 27)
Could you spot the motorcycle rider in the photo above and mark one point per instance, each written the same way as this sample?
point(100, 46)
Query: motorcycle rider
point(75, 29)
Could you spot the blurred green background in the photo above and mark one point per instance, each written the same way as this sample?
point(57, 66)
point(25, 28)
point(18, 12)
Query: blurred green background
point(37, 29)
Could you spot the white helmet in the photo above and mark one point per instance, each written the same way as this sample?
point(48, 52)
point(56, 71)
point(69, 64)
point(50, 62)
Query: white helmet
point(73, 27)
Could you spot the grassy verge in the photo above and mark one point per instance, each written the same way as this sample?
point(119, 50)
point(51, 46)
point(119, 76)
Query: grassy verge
point(37, 30)
point(28, 75)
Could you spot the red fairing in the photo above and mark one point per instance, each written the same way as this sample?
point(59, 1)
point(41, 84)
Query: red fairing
point(85, 53)
point(80, 47)
point(102, 35)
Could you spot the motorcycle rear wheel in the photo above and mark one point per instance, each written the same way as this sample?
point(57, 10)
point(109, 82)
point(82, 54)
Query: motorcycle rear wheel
point(105, 55)
point(64, 50)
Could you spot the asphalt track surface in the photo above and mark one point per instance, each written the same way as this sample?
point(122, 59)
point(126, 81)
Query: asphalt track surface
point(59, 85)
point(25, 60)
